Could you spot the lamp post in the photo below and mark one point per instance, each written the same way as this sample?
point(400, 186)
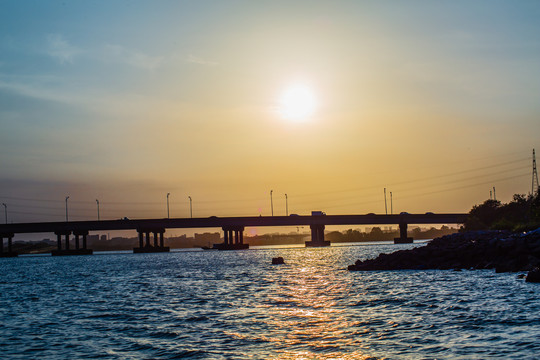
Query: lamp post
point(97, 202)
point(385, 207)
point(271, 202)
point(168, 217)
point(190, 207)
point(67, 197)
point(286, 205)
point(5, 210)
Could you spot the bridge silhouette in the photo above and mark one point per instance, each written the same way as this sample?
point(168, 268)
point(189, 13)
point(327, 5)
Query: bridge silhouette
point(232, 227)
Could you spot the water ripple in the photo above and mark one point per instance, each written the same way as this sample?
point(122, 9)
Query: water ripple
point(236, 305)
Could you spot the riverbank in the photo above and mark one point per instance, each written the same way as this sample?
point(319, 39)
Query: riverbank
point(503, 251)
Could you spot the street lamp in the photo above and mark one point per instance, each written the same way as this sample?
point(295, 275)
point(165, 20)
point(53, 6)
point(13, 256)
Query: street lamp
point(5, 210)
point(168, 217)
point(67, 197)
point(271, 202)
point(97, 202)
point(286, 205)
point(385, 207)
point(190, 207)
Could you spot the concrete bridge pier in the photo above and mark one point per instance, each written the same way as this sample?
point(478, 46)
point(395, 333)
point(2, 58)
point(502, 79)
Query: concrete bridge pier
point(233, 239)
point(66, 250)
point(9, 252)
point(403, 239)
point(145, 244)
point(84, 250)
point(317, 237)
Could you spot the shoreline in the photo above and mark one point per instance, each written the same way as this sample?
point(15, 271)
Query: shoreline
point(503, 251)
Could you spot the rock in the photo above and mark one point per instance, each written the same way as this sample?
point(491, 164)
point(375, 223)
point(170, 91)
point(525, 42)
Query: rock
point(502, 250)
point(533, 276)
point(278, 261)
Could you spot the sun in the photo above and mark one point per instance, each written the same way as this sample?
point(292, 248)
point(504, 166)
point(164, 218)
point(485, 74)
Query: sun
point(297, 103)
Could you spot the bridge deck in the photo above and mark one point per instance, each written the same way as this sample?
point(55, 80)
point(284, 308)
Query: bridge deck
point(220, 222)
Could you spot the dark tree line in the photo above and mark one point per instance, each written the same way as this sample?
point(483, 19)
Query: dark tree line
point(520, 214)
point(377, 234)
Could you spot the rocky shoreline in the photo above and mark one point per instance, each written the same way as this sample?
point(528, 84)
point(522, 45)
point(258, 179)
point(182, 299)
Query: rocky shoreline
point(503, 251)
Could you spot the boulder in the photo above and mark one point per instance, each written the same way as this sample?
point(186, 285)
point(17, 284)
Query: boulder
point(533, 276)
point(502, 250)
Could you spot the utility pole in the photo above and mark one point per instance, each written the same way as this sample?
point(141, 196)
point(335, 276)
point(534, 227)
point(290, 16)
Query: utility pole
point(490, 194)
point(385, 206)
point(190, 207)
point(97, 202)
point(494, 196)
point(5, 210)
point(67, 197)
point(391, 204)
point(286, 205)
point(271, 202)
point(534, 188)
point(168, 217)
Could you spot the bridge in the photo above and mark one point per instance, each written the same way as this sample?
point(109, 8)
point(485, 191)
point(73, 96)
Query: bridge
point(232, 227)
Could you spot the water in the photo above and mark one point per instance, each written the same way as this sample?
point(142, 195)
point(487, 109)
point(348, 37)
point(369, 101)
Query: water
point(236, 305)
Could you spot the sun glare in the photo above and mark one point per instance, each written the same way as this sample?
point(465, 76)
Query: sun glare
point(297, 103)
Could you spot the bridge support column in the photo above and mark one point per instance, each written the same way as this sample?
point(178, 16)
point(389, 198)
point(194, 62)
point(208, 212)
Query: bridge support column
point(158, 241)
point(67, 251)
point(147, 239)
point(84, 250)
point(226, 237)
point(233, 239)
point(10, 252)
point(403, 239)
point(317, 237)
point(141, 239)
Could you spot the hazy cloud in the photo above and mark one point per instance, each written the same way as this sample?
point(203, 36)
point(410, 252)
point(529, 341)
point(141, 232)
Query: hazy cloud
point(118, 53)
point(60, 49)
point(200, 61)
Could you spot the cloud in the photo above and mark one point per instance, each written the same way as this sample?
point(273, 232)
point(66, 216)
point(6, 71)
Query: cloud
point(118, 53)
point(60, 49)
point(197, 60)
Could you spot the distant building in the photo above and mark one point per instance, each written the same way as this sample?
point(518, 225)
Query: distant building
point(208, 237)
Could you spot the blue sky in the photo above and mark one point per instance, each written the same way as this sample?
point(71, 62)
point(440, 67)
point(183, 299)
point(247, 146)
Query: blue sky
point(128, 100)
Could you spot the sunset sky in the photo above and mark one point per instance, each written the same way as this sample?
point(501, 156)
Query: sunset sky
point(328, 102)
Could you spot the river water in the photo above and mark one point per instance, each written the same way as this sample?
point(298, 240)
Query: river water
point(236, 305)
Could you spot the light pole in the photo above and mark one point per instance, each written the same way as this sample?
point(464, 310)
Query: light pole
point(391, 204)
point(5, 210)
point(190, 207)
point(67, 197)
point(97, 202)
point(272, 202)
point(286, 205)
point(168, 217)
point(385, 207)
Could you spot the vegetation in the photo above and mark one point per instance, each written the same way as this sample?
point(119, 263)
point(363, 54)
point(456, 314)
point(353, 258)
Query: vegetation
point(377, 234)
point(521, 214)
